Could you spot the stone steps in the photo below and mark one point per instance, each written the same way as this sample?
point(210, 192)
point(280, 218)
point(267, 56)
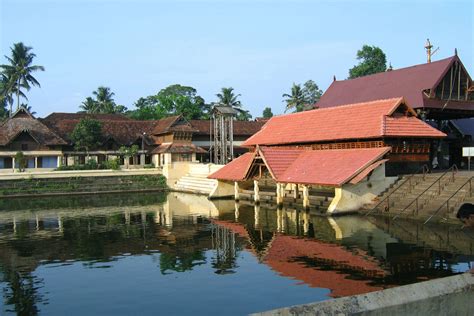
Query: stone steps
point(196, 182)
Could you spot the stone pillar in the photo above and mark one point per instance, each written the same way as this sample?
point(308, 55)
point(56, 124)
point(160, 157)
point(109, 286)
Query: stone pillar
point(305, 196)
point(13, 163)
point(279, 211)
point(236, 191)
point(279, 197)
point(58, 161)
point(306, 222)
point(36, 162)
point(142, 159)
point(256, 191)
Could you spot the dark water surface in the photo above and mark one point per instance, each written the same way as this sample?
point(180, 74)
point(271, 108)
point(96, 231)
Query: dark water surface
point(152, 254)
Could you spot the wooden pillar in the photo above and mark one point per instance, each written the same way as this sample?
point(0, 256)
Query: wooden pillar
point(236, 191)
point(36, 162)
point(305, 196)
point(256, 191)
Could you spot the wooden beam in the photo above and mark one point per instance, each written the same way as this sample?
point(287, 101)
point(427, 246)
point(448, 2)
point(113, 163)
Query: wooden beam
point(459, 84)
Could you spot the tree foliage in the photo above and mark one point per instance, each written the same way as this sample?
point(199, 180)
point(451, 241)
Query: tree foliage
point(172, 100)
point(87, 134)
point(227, 97)
point(102, 102)
point(17, 75)
point(371, 60)
point(302, 98)
point(267, 112)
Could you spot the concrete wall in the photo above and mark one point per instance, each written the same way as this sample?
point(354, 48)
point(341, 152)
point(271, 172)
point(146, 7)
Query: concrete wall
point(446, 296)
point(351, 197)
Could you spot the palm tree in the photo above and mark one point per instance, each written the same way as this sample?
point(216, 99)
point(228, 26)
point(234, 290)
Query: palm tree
point(89, 105)
point(227, 97)
point(105, 101)
point(20, 69)
point(296, 99)
point(7, 90)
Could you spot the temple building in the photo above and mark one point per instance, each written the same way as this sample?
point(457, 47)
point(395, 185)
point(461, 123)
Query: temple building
point(353, 149)
point(440, 92)
point(47, 144)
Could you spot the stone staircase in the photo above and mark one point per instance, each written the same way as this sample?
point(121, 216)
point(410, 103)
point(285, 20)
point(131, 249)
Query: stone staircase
point(196, 182)
point(422, 195)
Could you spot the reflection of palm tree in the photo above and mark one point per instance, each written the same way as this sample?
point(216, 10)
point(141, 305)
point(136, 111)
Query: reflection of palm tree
point(296, 99)
point(20, 69)
point(23, 293)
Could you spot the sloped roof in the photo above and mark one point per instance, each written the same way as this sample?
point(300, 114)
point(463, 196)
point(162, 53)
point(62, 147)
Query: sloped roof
point(321, 167)
point(59, 116)
point(14, 126)
point(235, 170)
point(366, 120)
point(409, 82)
point(305, 166)
point(123, 132)
point(241, 128)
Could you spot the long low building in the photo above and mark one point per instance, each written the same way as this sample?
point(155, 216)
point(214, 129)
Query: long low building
point(47, 142)
point(353, 148)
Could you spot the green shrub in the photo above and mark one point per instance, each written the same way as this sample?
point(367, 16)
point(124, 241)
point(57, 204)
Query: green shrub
point(113, 164)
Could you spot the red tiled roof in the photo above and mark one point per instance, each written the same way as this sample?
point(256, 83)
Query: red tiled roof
point(322, 167)
point(235, 170)
point(354, 121)
point(304, 166)
point(366, 171)
point(407, 82)
point(241, 128)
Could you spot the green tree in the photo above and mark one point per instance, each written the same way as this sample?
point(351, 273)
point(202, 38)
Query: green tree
point(267, 112)
point(172, 100)
point(102, 103)
point(371, 60)
point(21, 160)
point(20, 69)
point(311, 93)
point(229, 98)
point(87, 135)
point(7, 90)
point(89, 105)
point(128, 152)
point(296, 98)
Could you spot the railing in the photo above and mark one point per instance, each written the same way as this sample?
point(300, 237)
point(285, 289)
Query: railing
point(423, 169)
point(453, 170)
point(449, 199)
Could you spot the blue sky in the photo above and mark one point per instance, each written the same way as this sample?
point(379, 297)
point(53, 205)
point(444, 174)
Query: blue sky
point(258, 47)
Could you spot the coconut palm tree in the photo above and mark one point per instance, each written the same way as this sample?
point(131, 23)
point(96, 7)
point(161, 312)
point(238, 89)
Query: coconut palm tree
point(227, 97)
point(7, 90)
point(89, 105)
point(105, 101)
point(20, 69)
point(296, 99)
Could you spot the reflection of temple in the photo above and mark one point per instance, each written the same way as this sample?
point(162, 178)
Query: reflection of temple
point(349, 255)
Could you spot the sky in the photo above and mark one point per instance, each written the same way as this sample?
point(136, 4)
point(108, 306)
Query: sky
point(258, 47)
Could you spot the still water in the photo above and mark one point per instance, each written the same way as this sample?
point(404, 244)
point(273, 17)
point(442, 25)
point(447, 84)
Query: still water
point(182, 254)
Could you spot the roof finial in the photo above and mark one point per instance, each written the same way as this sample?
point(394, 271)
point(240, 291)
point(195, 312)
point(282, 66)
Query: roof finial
point(334, 78)
point(390, 68)
point(455, 52)
point(428, 48)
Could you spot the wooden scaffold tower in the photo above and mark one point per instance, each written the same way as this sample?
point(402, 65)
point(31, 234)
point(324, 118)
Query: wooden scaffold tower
point(222, 134)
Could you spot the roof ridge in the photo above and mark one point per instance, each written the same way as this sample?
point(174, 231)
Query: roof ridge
point(400, 69)
point(334, 108)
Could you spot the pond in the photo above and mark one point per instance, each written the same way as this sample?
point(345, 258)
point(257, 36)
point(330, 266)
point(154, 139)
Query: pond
point(181, 254)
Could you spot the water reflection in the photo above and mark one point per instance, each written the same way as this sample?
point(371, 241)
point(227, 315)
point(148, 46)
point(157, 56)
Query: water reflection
point(186, 233)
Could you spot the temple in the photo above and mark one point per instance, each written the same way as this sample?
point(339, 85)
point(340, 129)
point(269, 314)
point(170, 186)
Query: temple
point(441, 92)
point(352, 149)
